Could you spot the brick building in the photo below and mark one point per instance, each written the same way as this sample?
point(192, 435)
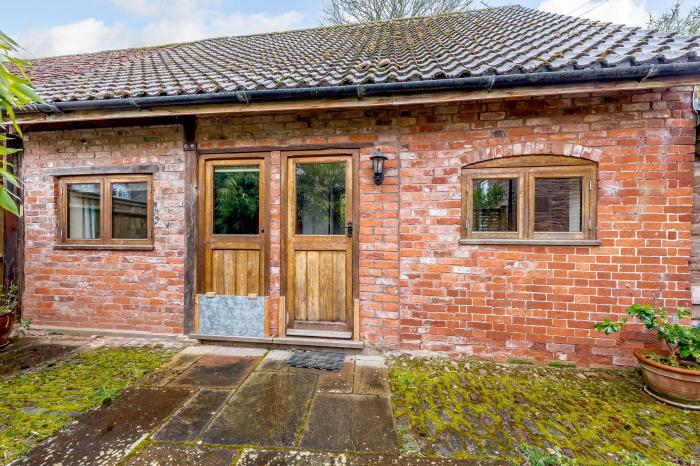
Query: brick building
point(537, 177)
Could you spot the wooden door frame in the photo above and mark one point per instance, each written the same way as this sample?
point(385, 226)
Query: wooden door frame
point(284, 214)
point(264, 212)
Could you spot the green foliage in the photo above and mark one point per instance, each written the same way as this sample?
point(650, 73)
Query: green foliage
point(321, 193)
point(683, 342)
point(26, 323)
point(672, 20)
point(15, 93)
point(8, 300)
point(37, 404)
point(535, 456)
point(488, 195)
point(237, 198)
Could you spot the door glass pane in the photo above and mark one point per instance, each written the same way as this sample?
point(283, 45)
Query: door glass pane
point(236, 200)
point(495, 204)
point(84, 211)
point(320, 198)
point(558, 204)
point(130, 210)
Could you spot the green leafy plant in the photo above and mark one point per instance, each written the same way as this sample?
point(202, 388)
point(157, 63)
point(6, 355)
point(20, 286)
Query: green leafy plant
point(488, 195)
point(26, 323)
point(683, 342)
point(15, 93)
point(8, 299)
point(236, 202)
point(535, 456)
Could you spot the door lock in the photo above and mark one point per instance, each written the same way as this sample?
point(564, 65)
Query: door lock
point(348, 229)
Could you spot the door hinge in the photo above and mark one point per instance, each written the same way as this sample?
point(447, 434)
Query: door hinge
point(590, 185)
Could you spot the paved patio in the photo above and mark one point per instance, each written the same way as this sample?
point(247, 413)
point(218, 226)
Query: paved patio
point(242, 406)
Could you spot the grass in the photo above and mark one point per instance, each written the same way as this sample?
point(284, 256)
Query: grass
point(476, 409)
point(37, 404)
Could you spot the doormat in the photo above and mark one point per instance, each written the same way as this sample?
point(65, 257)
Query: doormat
point(323, 360)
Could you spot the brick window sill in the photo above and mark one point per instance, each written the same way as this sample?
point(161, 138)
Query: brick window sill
point(531, 242)
point(112, 247)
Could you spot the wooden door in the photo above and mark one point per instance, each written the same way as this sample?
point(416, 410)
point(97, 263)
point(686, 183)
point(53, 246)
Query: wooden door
point(233, 236)
point(319, 246)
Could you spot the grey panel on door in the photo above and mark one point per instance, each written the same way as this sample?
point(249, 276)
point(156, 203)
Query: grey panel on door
point(232, 316)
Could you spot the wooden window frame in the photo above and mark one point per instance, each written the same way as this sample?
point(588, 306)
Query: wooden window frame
point(105, 241)
point(527, 170)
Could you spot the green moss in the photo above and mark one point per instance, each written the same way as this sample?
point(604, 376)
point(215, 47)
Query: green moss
point(561, 364)
point(527, 361)
point(39, 403)
point(476, 409)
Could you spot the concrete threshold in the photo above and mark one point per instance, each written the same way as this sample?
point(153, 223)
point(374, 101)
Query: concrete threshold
point(287, 341)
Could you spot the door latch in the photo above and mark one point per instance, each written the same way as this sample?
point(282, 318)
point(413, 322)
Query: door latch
point(348, 229)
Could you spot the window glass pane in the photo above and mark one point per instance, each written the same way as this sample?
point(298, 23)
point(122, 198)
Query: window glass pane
point(130, 210)
point(320, 198)
point(84, 211)
point(236, 200)
point(495, 204)
point(558, 204)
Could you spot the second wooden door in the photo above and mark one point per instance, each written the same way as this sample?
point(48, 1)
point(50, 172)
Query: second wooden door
point(319, 246)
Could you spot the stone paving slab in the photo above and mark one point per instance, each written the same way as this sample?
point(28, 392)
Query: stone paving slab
point(187, 423)
point(24, 354)
point(350, 423)
point(104, 436)
point(372, 380)
point(335, 382)
point(182, 455)
point(217, 371)
point(169, 371)
point(252, 457)
point(275, 361)
point(267, 410)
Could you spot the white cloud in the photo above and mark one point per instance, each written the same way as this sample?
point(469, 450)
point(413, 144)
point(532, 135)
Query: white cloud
point(166, 22)
point(629, 12)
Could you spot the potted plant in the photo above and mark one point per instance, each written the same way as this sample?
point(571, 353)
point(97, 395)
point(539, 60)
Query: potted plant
point(8, 306)
point(675, 374)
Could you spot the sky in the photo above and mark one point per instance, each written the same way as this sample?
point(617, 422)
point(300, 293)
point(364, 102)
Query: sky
point(61, 27)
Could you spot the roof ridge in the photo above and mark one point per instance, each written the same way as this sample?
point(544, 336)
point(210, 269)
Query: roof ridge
point(288, 31)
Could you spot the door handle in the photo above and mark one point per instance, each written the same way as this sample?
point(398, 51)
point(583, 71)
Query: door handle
point(348, 229)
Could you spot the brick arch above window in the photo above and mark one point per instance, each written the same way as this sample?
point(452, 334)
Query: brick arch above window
point(566, 149)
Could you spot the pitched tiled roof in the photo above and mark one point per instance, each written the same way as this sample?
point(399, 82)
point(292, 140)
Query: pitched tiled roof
point(494, 41)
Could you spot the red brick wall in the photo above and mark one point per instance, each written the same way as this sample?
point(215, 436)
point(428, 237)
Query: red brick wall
point(420, 289)
point(121, 290)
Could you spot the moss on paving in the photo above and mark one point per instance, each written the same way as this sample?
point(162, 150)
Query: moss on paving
point(37, 404)
point(476, 409)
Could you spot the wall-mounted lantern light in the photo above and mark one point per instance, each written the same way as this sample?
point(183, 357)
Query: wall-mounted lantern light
point(378, 166)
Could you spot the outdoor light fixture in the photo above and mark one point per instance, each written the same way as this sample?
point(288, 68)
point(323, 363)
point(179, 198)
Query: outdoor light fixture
point(378, 166)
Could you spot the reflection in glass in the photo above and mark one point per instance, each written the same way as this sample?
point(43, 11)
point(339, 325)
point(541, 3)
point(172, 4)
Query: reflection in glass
point(320, 203)
point(236, 200)
point(130, 210)
point(558, 204)
point(84, 211)
point(495, 204)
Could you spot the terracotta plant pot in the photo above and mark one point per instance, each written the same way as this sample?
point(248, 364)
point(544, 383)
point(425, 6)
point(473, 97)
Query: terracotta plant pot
point(6, 322)
point(674, 383)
